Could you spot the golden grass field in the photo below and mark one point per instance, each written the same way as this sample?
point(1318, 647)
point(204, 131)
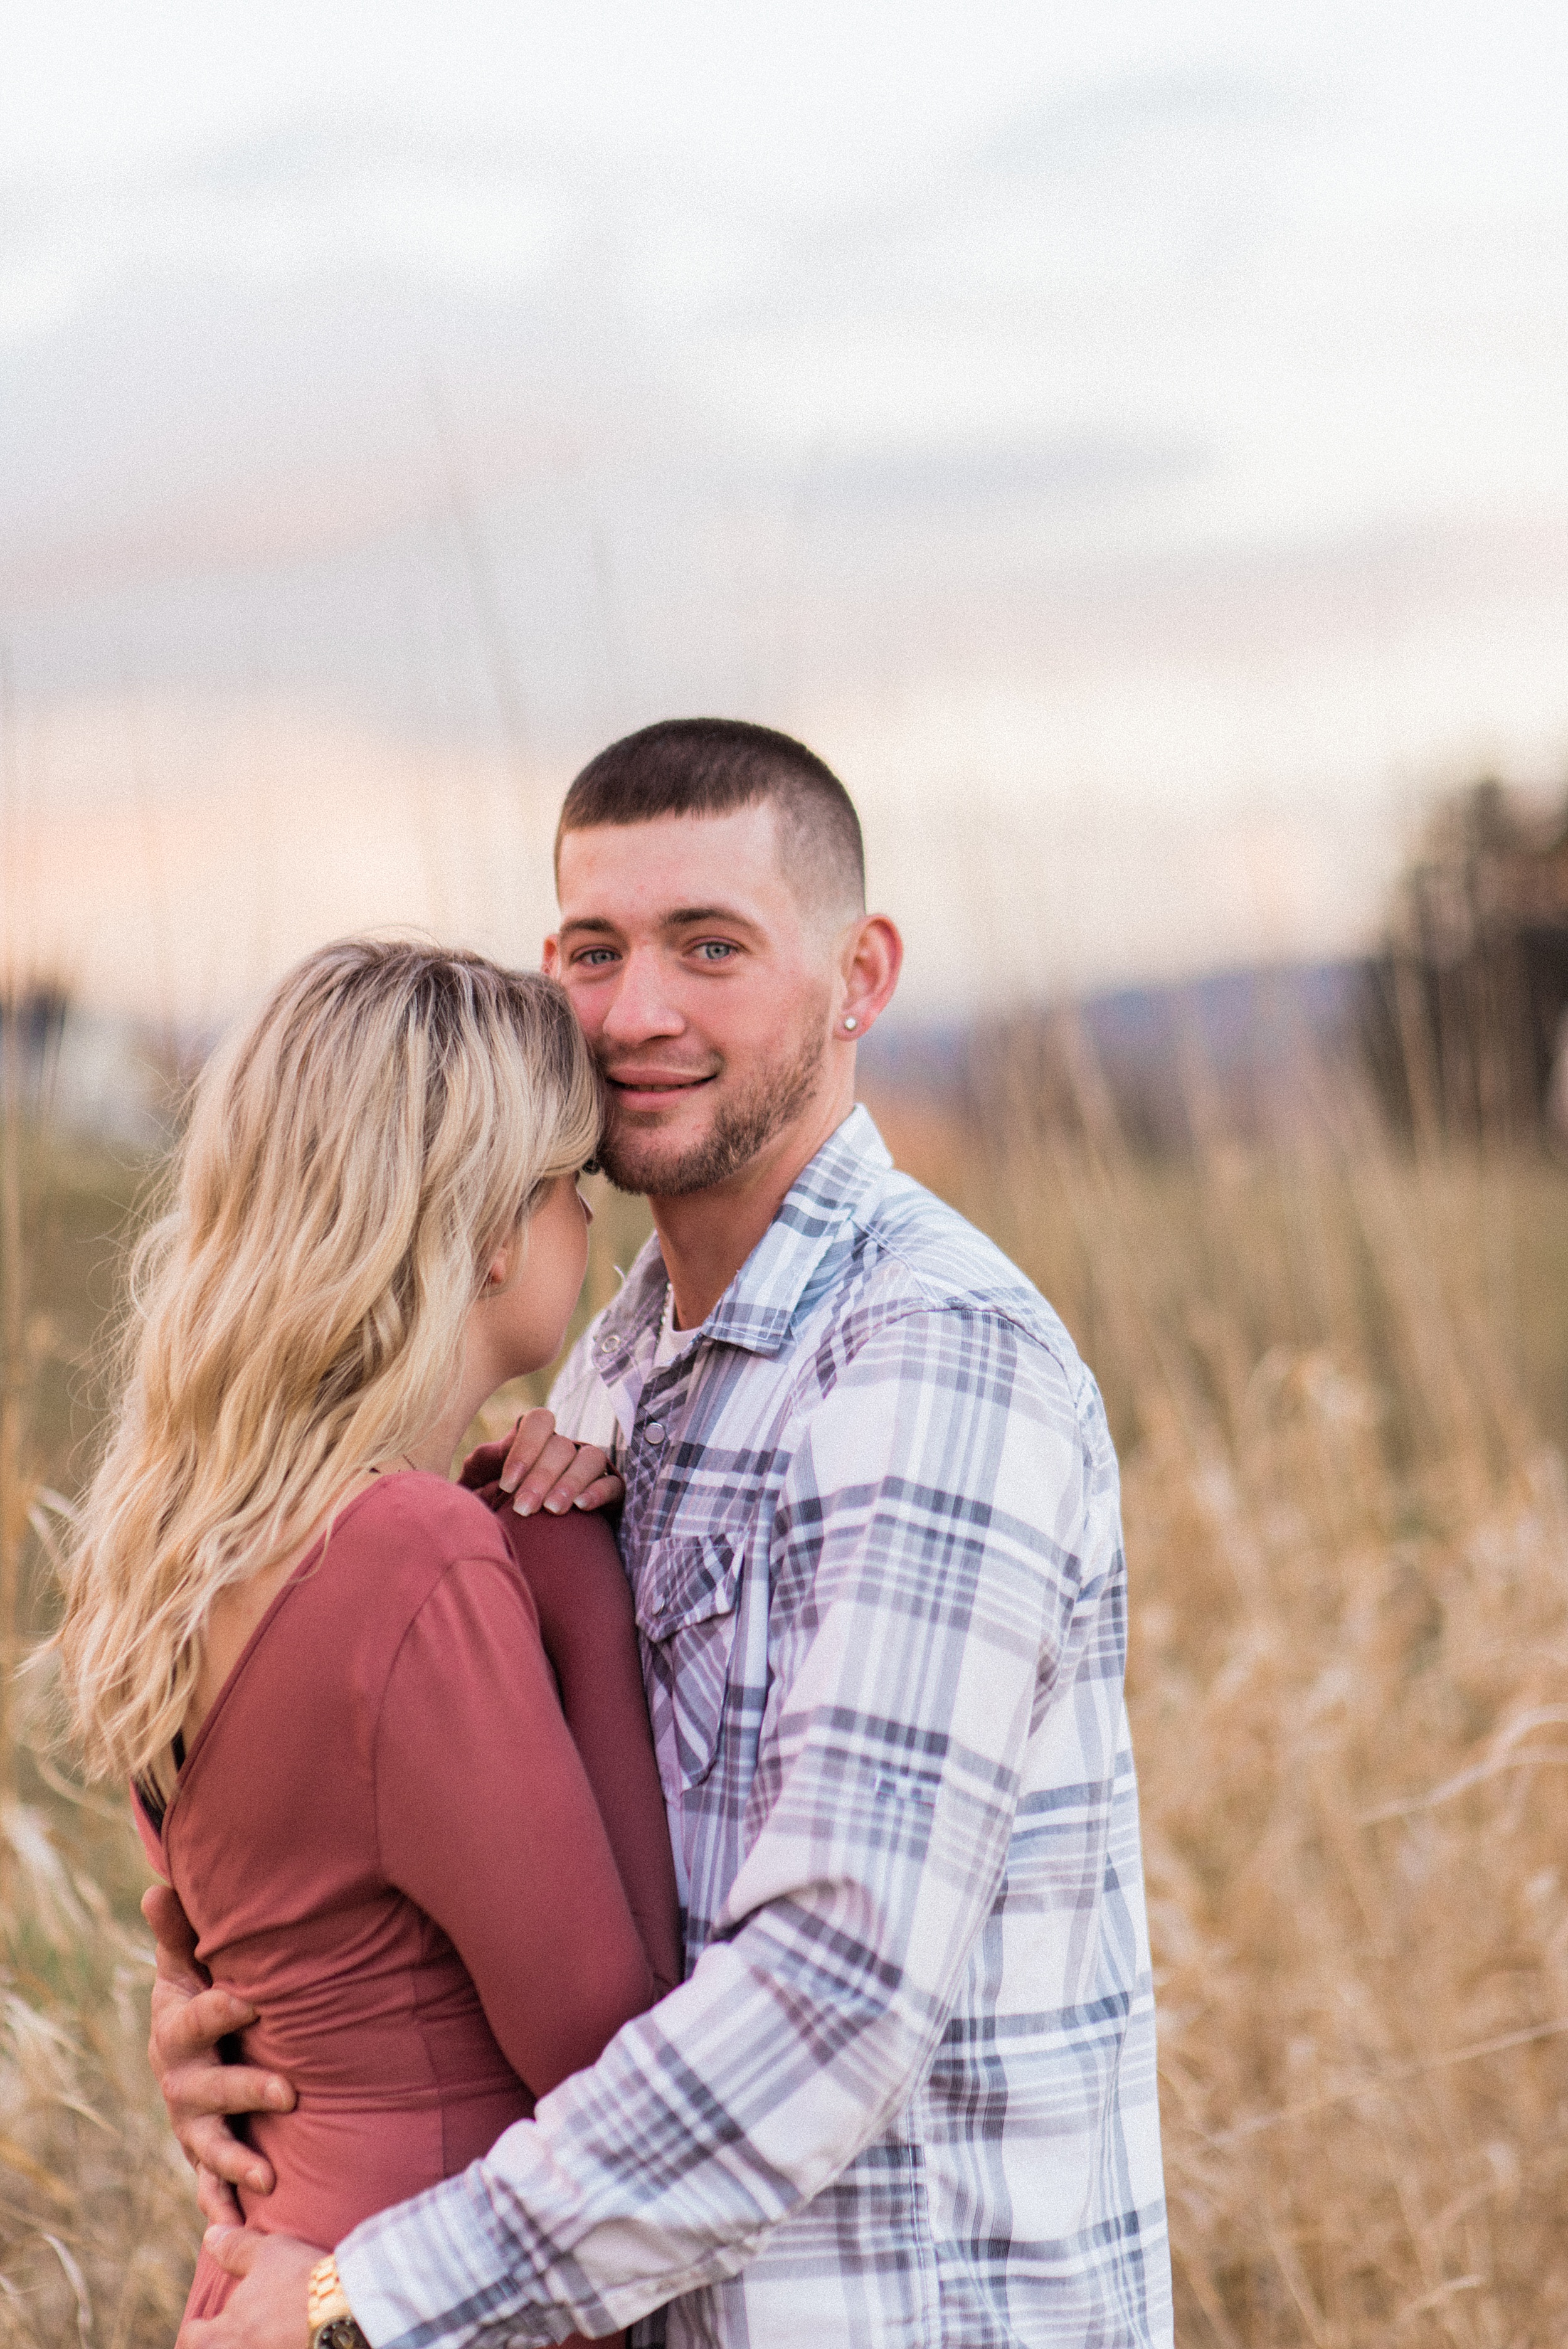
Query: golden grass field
point(1338, 1374)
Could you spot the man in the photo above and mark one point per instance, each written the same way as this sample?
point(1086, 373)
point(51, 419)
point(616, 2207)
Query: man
point(906, 2094)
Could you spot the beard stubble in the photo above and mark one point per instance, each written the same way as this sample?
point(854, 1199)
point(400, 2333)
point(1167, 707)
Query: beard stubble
point(742, 1127)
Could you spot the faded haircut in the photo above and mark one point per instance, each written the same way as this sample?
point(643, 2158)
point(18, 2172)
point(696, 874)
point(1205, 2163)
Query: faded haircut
point(713, 766)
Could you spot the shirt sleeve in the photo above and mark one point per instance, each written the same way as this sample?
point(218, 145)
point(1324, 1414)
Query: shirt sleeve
point(948, 1547)
point(485, 1818)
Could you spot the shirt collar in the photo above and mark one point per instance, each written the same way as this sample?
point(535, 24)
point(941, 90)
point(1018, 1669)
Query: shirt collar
point(758, 1308)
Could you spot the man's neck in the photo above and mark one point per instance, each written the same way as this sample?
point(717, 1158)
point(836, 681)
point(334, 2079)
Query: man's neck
point(706, 1235)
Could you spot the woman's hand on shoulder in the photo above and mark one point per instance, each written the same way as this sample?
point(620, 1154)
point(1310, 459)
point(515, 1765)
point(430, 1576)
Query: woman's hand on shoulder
point(544, 1470)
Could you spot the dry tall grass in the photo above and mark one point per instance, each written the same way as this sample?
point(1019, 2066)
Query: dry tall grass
point(1348, 1562)
point(97, 2229)
point(1348, 1551)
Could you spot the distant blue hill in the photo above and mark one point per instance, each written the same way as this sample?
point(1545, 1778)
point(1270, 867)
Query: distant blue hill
point(1234, 1012)
point(1245, 1029)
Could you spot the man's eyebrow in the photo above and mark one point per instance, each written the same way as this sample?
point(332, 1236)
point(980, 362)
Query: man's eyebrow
point(680, 917)
point(684, 918)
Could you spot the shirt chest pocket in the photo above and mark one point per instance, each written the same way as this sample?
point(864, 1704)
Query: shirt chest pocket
point(686, 1611)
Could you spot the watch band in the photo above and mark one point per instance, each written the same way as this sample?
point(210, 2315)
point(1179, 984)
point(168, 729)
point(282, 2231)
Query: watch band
point(328, 2317)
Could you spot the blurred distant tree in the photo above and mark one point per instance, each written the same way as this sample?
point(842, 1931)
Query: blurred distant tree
point(1464, 1007)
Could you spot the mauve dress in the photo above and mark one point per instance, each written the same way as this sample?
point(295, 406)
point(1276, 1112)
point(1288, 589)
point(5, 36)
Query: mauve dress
point(388, 1841)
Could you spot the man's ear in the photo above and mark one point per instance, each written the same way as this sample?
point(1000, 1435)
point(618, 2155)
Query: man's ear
point(551, 963)
point(873, 956)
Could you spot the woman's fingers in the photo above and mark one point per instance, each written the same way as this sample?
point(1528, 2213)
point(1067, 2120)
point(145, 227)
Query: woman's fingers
point(529, 1438)
point(547, 1471)
point(537, 1489)
point(605, 1492)
point(586, 1467)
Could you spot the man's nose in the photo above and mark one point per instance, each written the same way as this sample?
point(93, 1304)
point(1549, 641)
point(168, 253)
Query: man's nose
point(640, 1006)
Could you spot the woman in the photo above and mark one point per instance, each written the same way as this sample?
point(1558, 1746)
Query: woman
point(317, 1659)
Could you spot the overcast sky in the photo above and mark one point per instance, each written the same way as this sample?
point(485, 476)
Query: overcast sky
point(1129, 443)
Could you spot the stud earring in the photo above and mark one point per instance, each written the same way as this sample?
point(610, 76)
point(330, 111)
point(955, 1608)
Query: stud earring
point(849, 1024)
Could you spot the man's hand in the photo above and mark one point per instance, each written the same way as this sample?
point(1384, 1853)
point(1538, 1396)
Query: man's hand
point(189, 2018)
point(545, 1470)
point(269, 2310)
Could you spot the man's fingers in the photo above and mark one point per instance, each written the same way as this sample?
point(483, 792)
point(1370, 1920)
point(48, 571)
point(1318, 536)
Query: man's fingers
point(268, 2308)
point(171, 1929)
point(529, 1438)
point(218, 2203)
point(233, 2248)
point(605, 1492)
point(210, 2144)
point(191, 2025)
point(198, 2090)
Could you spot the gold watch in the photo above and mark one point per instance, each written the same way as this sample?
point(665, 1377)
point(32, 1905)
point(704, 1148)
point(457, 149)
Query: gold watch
point(328, 2316)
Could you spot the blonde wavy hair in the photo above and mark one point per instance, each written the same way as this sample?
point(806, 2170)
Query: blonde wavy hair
point(351, 1161)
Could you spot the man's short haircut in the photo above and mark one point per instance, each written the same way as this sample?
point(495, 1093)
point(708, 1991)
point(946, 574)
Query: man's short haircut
point(712, 766)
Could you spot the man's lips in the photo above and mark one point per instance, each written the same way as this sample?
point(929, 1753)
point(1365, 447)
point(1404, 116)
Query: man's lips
point(650, 1088)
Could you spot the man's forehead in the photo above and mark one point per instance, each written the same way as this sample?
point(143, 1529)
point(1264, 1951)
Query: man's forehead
point(677, 862)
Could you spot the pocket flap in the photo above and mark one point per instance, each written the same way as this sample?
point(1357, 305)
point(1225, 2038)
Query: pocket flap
point(692, 1581)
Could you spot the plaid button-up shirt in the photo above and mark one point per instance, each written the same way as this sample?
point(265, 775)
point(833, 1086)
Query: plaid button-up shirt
point(906, 2099)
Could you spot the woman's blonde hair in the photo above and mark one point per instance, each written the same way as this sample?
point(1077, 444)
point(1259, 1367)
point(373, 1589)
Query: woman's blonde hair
point(352, 1161)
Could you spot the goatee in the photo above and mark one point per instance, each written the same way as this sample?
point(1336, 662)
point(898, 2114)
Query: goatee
point(741, 1128)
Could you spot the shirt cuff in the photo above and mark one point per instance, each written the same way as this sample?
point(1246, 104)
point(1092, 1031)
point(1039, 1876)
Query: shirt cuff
point(438, 2270)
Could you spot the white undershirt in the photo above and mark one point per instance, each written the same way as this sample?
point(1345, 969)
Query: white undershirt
point(672, 1342)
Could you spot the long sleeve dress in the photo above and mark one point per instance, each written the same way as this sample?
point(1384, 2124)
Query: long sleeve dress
point(388, 1841)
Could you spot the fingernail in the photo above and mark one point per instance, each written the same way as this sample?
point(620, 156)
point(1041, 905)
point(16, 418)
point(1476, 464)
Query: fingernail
point(509, 1480)
point(525, 1504)
point(214, 2236)
point(278, 2096)
point(555, 1504)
